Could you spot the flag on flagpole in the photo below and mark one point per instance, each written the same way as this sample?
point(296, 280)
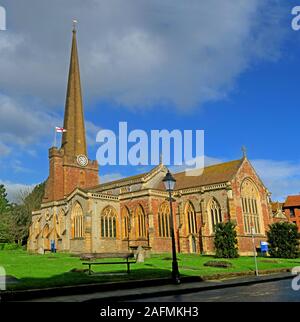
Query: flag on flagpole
point(60, 129)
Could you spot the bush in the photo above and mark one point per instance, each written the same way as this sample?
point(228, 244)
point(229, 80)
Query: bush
point(225, 240)
point(283, 239)
point(11, 246)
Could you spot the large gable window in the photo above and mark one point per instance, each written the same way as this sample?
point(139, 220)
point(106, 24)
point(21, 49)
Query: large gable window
point(251, 213)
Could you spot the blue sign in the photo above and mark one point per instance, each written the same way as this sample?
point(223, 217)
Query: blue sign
point(264, 247)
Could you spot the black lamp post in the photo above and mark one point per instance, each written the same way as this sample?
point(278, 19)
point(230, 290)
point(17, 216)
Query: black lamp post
point(169, 182)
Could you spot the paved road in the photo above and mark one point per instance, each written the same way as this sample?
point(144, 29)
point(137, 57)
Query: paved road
point(279, 291)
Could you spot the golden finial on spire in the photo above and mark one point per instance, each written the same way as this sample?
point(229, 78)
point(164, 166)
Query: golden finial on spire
point(75, 22)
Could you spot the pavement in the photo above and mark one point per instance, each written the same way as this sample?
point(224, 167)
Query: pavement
point(141, 292)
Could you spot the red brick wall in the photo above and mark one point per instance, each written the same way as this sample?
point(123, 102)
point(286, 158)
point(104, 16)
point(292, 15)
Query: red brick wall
point(65, 176)
point(294, 219)
point(132, 206)
point(246, 244)
point(54, 189)
point(78, 177)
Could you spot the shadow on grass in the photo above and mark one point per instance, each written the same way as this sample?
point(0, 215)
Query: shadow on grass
point(78, 278)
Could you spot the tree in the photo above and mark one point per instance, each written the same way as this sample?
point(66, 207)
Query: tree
point(226, 240)
point(283, 239)
point(4, 203)
point(5, 217)
point(15, 219)
point(22, 212)
point(6, 228)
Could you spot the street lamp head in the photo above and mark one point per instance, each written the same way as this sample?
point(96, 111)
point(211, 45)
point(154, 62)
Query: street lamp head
point(169, 181)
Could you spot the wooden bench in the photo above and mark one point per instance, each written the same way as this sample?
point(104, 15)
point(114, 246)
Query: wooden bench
point(92, 257)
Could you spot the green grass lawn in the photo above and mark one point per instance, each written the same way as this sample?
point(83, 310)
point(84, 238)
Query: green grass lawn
point(48, 270)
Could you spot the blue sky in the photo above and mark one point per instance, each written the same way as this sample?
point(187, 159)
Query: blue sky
point(155, 66)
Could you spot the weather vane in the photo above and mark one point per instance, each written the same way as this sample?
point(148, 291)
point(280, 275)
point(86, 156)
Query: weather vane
point(75, 22)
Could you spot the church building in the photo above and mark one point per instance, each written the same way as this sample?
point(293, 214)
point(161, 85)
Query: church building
point(81, 215)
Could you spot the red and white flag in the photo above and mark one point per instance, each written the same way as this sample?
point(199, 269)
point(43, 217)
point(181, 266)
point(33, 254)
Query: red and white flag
point(60, 129)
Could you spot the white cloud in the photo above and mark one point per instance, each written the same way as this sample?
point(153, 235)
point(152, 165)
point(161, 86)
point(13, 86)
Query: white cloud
point(137, 52)
point(23, 124)
point(14, 190)
point(4, 150)
point(91, 132)
point(282, 178)
point(142, 53)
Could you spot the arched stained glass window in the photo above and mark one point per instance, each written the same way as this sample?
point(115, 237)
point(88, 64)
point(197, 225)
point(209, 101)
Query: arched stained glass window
point(108, 223)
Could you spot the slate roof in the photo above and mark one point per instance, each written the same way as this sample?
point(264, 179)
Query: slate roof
point(217, 173)
point(213, 174)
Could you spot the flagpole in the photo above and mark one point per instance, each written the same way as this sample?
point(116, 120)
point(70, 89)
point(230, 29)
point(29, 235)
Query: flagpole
point(54, 136)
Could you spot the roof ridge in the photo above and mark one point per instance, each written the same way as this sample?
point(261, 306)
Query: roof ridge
point(136, 176)
point(217, 164)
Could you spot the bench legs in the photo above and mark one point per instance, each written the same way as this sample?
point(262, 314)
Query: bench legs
point(127, 263)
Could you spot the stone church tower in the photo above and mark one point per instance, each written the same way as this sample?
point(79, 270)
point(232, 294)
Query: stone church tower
point(69, 166)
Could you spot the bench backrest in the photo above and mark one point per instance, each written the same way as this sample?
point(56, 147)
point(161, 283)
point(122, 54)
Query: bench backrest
point(106, 255)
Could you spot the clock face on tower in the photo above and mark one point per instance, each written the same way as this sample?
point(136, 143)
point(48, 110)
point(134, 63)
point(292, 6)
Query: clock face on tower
point(82, 160)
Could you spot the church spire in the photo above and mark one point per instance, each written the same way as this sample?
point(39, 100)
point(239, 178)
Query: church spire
point(74, 141)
